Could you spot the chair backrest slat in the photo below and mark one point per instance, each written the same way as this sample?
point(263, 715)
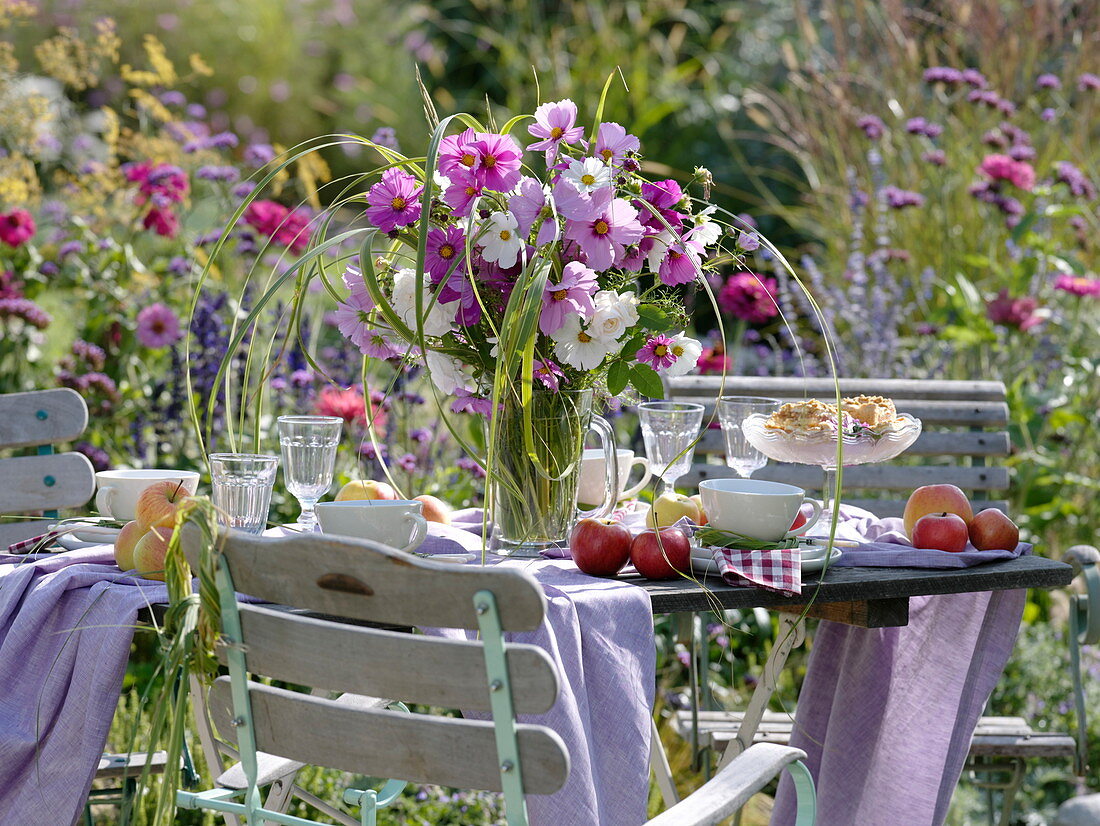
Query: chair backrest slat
point(41, 417)
point(400, 666)
point(446, 751)
point(367, 581)
point(35, 483)
point(963, 420)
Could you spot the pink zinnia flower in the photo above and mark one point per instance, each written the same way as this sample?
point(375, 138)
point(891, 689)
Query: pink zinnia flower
point(462, 192)
point(265, 217)
point(444, 249)
point(498, 163)
point(555, 123)
point(749, 297)
point(657, 352)
point(1013, 312)
point(1003, 168)
point(613, 142)
point(1077, 284)
point(294, 231)
point(549, 374)
point(162, 221)
point(714, 361)
point(605, 234)
point(16, 227)
point(394, 201)
point(157, 326)
point(349, 405)
point(572, 295)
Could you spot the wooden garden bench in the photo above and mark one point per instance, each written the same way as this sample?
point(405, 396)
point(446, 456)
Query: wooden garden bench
point(964, 436)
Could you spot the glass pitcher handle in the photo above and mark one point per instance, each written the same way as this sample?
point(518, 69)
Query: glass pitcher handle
point(611, 466)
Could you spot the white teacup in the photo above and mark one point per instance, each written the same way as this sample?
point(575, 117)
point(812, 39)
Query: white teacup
point(118, 490)
point(593, 476)
point(394, 522)
point(755, 508)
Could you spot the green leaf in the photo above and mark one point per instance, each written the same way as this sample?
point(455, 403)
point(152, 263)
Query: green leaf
point(654, 318)
point(633, 345)
point(969, 293)
point(974, 260)
point(1062, 210)
point(646, 381)
point(618, 377)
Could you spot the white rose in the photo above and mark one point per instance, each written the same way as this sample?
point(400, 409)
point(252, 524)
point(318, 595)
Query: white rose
point(446, 373)
point(437, 320)
point(615, 314)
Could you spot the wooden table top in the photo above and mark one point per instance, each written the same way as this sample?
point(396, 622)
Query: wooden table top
point(871, 597)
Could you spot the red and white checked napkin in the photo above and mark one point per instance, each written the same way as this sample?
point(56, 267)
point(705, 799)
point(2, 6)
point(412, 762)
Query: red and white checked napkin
point(36, 544)
point(779, 570)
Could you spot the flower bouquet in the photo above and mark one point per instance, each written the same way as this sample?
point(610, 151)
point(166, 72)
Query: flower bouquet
point(534, 284)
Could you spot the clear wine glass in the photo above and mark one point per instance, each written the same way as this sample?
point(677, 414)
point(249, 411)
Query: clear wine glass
point(732, 411)
point(670, 431)
point(308, 444)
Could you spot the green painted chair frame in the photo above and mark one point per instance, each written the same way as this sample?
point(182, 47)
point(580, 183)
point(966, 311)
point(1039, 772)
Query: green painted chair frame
point(341, 589)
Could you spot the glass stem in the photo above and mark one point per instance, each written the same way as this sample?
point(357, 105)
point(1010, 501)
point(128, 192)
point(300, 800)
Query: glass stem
point(308, 517)
point(827, 493)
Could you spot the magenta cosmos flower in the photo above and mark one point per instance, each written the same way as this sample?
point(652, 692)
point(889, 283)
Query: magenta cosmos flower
point(16, 227)
point(455, 153)
point(662, 196)
point(394, 201)
point(572, 296)
point(549, 374)
point(498, 161)
point(1003, 168)
point(657, 352)
point(461, 289)
point(444, 249)
point(1077, 284)
point(555, 124)
point(602, 228)
point(613, 143)
point(157, 326)
point(528, 205)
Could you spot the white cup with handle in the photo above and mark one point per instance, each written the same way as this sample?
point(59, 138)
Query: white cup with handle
point(593, 476)
point(118, 490)
point(398, 523)
point(755, 508)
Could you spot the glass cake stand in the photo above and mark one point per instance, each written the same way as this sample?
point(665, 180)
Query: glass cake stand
point(865, 448)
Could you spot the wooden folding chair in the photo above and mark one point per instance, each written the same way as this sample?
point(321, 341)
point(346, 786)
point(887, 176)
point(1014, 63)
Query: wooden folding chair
point(344, 583)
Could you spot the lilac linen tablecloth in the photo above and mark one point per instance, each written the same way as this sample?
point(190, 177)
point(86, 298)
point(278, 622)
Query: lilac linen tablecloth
point(66, 625)
point(886, 714)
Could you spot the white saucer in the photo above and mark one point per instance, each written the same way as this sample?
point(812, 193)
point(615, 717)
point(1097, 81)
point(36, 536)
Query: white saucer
point(88, 532)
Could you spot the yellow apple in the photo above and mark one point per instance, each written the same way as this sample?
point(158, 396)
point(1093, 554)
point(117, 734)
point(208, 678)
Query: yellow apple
point(698, 500)
point(124, 544)
point(434, 509)
point(668, 508)
point(366, 489)
point(158, 503)
point(149, 553)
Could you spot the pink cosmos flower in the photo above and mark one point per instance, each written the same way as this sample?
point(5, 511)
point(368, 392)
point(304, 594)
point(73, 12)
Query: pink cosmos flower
point(657, 352)
point(467, 402)
point(353, 280)
point(1013, 312)
point(394, 201)
point(498, 161)
point(613, 142)
point(157, 327)
point(352, 318)
point(1003, 168)
point(1077, 284)
point(555, 123)
point(603, 236)
point(162, 221)
point(662, 196)
point(455, 155)
point(16, 227)
point(750, 297)
point(549, 374)
point(444, 249)
point(459, 288)
point(572, 296)
point(528, 205)
point(462, 192)
point(680, 262)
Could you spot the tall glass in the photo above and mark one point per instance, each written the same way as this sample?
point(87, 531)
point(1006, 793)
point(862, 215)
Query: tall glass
point(670, 431)
point(242, 488)
point(308, 445)
point(732, 411)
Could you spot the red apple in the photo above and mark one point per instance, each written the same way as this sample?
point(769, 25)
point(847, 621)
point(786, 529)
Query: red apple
point(434, 509)
point(661, 554)
point(125, 542)
point(366, 489)
point(942, 531)
point(158, 503)
point(799, 521)
point(935, 499)
point(600, 547)
point(991, 530)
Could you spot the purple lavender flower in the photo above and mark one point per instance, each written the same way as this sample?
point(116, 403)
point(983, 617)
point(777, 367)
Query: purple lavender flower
point(1048, 81)
point(1048, 114)
point(218, 173)
point(26, 310)
point(872, 126)
point(900, 198)
point(943, 74)
point(995, 139)
point(244, 189)
point(920, 126)
point(407, 462)
point(1079, 184)
point(172, 98)
point(937, 157)
point(68, 248)
point(470, 466)
point(1088, 81)
point(420, 435)
point(259, 154)
point(988, 98)
point(385, 136)
point(1021, 152)
point(974, 78)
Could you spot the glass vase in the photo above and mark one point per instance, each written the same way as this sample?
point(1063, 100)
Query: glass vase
point(534, 468)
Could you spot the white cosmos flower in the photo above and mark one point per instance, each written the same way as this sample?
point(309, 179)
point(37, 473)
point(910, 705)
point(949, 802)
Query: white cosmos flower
point(661, 243)
point(687, 352)
point(588, 174)
point(615, 314)
point(437, 320)
point(706, 232)
point(577, 347)
point(501, 241)
point(446, 373)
